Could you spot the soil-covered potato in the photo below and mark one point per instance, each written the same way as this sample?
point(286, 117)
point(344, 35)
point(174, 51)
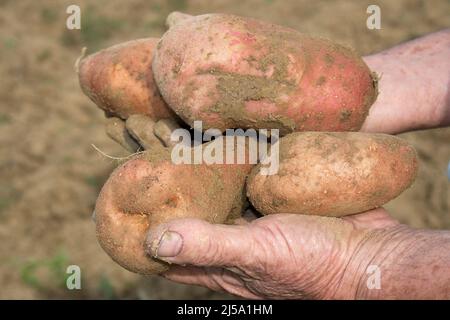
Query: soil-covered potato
point(149, 190)
point(231, 71)
point(334, 174)
point(120, 81)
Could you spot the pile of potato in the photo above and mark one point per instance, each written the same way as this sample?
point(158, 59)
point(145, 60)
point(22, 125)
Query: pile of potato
point(235, 72)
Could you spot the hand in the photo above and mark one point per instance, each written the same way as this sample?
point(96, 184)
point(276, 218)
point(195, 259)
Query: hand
point(295, 256)
point(414, 85)
point(139, 132)
point(277, 256)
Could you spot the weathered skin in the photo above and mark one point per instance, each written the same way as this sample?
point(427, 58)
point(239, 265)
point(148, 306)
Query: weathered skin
point(149, 190)
point(120, 81)
point(334, 174)
point(233, 72)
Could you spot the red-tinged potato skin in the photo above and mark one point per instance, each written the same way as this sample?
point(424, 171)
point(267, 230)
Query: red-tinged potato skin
point(230, 71)
point(120, 80)
point(149, 190)
point(334, 174)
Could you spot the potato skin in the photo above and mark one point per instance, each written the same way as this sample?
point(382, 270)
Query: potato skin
point(230, 71)
point(334, 174)
point(149, 190)
point(120, 80)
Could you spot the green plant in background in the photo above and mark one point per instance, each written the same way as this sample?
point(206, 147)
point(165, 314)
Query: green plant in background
point(95, 29)
point(49, 15)
point(158, 23)
point(47, 274)
point(49, 277)
point(9, 43)
point(4, 118)
point(178, 5)
point(94, 181)
point(106, 289)
point(28, 276)
point(5, 202)
point(44, 55)
point(57, 266)
point(8, 194)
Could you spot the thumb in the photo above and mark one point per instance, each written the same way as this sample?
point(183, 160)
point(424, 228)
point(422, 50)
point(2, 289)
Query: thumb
point(197, 242)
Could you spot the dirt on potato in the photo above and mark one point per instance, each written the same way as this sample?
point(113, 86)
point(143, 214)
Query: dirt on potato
point(240, 72)
point(354, 172)
point(51, 175)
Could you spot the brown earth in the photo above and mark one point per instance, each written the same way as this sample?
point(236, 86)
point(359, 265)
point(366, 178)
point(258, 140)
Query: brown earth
point(51, 175)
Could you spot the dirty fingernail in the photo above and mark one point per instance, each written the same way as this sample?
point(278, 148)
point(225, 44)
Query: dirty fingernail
point(169, 245)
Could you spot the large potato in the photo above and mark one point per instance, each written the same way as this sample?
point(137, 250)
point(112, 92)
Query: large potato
point(334, 174)
point(120, 81)
point(149, 190)
point(230, 71)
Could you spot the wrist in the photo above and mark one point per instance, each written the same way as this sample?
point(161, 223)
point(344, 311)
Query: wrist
point(394, 111)
point(413, 85)
point(374, 261)
point(387, 252)
point(400, 263)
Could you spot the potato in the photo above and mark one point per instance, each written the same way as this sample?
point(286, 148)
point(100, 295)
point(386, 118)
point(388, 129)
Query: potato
point(149, 190)
point(235, 72)
point(120, 80)
point(334, 174)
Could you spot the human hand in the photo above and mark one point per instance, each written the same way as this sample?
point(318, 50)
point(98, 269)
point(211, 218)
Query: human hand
point(414, 85)
point(140, 132)
point(258, 261)
point(277, 256)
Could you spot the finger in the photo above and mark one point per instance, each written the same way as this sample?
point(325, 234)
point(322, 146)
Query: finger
point(238, 221)
point(377, 218)
point(140, 128)
point(197, 242)
point(191, 276)
point(163, 130)
point(115, 129)
point(216, 279)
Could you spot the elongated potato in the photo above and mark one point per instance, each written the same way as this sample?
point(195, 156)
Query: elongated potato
point(150, 190)
point(120, 81)
point(334, 174)
point(235, 72)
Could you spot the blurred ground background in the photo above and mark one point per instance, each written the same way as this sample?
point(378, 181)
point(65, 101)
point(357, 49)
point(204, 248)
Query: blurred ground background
point(50, 175)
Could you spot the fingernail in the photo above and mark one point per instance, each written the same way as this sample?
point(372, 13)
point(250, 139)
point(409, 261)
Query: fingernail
point(169, 245)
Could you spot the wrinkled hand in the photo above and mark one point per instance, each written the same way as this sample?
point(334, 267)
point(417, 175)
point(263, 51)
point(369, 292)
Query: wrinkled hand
point(277, 256)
